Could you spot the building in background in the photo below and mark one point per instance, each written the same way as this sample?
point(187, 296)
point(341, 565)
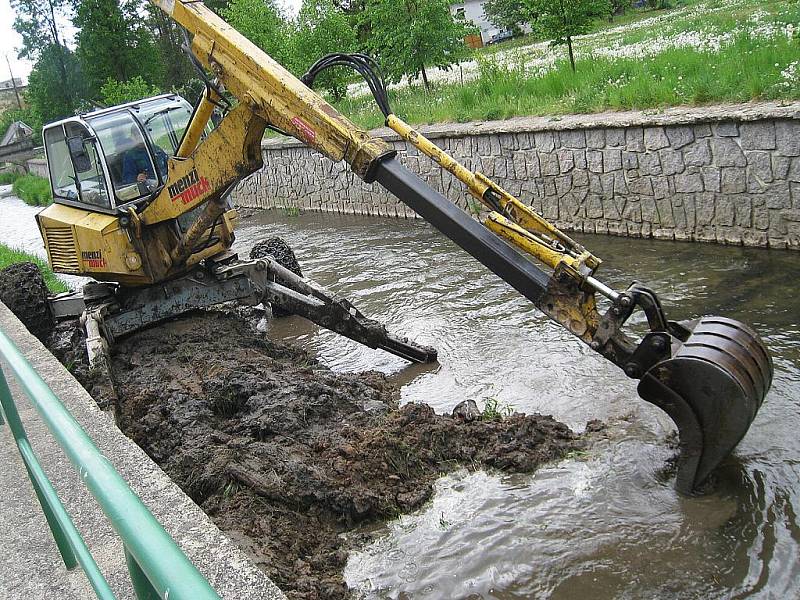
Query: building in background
point(472, 11)
point(12, 94)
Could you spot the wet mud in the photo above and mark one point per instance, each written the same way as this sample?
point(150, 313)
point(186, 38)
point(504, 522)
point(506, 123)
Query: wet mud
point(286, 456)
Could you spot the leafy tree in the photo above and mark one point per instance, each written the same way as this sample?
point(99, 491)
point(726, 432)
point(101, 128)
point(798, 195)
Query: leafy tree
point(408, 35)
point(562, 20)
point(115, 92)
point(36, 22)
point(506, 14)
point(262, 22)
point(176, 70)
point(113, 42)
point(322, 28)
point(45, 94)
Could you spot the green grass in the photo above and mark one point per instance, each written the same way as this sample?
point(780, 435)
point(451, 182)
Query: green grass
point(10, 256)
point(33, 190)
point(744, 70)
point(6, 178)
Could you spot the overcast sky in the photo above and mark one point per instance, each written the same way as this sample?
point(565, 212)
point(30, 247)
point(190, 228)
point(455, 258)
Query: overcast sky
point(10, 41)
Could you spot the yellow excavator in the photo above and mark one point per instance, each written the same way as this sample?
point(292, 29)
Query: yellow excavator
point(141, 207)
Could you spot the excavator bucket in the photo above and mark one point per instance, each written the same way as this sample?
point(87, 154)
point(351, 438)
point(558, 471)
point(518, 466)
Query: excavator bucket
point(712, 387)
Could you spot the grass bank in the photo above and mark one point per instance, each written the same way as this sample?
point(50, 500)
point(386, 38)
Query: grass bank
point(33, 190)
point(710, 52)
point(9, 256)
point(6, 178)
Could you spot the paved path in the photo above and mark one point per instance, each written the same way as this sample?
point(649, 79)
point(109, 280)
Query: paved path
point(31, 566)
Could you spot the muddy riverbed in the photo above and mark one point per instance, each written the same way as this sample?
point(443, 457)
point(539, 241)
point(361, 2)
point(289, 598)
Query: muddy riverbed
point(604, 521)
point(286, 456)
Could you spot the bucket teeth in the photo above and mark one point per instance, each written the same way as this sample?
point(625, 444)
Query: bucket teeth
point(712, 387)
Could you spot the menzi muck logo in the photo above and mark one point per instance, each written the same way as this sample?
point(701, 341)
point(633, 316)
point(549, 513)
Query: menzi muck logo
point(94, 259)
point(189, 188)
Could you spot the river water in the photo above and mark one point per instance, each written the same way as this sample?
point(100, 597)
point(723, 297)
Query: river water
point(607, 524)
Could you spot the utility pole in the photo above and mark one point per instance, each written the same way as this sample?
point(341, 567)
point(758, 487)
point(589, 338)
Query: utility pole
point(13, 83)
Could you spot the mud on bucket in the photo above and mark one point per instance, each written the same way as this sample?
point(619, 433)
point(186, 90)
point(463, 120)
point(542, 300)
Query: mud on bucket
point(712, 387)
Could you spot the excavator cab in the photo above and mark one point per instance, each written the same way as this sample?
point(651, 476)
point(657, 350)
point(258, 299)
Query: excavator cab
point(112, 156)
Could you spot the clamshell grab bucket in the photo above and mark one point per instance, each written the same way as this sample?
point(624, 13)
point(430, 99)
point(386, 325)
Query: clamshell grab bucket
point(712, 387)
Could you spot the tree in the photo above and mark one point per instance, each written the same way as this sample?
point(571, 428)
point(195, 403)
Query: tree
point(114, 43)
point(175, 69)
point(506, 14)
point(36, 22)
point(562, 20)
point(322, 28)
point(262, 22)
point(45, 94)
point(408, 35)
point(115, 92)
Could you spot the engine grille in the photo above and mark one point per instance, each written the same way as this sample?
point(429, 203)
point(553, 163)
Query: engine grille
point(61, 246)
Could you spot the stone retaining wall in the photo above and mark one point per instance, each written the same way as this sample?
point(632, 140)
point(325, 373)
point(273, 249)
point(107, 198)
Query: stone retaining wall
point(727, 173)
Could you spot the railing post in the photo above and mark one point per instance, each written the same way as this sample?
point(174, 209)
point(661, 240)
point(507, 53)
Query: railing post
point(18, 431)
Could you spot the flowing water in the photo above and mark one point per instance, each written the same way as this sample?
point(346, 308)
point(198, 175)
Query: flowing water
point(606, 524)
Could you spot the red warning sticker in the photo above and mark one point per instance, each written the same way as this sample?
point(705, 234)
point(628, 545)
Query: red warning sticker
point(305, 130)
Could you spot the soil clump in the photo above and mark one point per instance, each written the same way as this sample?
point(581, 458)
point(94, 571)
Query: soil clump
point(285, 455)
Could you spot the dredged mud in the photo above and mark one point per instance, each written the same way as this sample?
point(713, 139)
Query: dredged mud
point(285, 455)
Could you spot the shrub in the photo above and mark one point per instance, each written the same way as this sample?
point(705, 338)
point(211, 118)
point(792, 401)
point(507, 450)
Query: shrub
point(33, 190)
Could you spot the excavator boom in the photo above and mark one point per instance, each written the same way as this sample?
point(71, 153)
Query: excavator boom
point(710, 375)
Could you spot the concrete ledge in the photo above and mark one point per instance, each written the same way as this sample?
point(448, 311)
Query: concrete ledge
point(682, 115)
point(32, 566)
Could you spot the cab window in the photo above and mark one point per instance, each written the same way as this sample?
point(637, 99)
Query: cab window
point(76, 171)
point(129, 162)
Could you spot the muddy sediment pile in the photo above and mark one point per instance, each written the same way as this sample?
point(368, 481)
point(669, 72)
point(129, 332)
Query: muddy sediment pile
point(285, 455)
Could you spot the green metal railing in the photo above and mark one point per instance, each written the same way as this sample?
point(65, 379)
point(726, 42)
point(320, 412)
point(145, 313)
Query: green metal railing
point(157, 567)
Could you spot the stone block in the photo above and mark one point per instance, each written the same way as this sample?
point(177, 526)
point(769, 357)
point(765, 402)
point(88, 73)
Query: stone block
point(679, 135)
point(755, 239)
point(777, 224)
point(726, 129)
point(705, 208)
point(711, 179)
point(780, 166)
point(610, 210)
point(634, 139)
point(649, 213)
point(727, 153)
point(688, 182)
point(757, 135)
point(724, 213)
point(698, 154)
point(794, 170)
point(563, 184)
point(594, 161)
point(661, 187)
point(630, 160)
point(566, 160)
point(595, 138)
point(759, 165)
point(612, 159)
point(615, 137)
point(572, 138)
point(549, 164)
point(671, 161)
point(544, 140)
point(641, 186)
point(702, 130)
point(655, 138)
point(743, 211)
point(594, 207)
point(663, 234)
point(787, 137)
point(665, 216)
point(532, 164)
point(520, 165)
point(632, 211)
point(580, 179)
point(649, 164)
point(732, 180)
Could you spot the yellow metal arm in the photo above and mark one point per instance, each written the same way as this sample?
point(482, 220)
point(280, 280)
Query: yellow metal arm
point(510, 218)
